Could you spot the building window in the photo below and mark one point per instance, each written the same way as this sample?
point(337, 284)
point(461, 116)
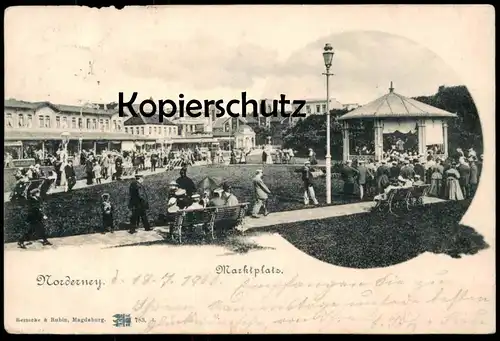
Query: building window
point(80, 123)
point(106, 124)
point(64, 122)
point(151, 130)
point(164, 130)
point(47, 121)
point(308, 108)
point(155, 130)
point(324, 108)
point(29, 124)
point(126, 129)
point(142, 130)
point(119, 125)
point(101, 124)
point(137, 130)
point(20, 121)
point(58, 122)
point(318, 109)
point(89, 126)
point(115, 127)
point(8, 121)
point(73, 122)
point(94, 124)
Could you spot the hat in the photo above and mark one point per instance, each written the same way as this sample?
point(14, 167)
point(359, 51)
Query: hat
point(258, 171)
point(349, 161)
point(383, 161)
point(173, 183)
point(394, 162)
point(400, 178)
point(139, 176)
point(180, 192)
point(226, 186)
point(195, 196)
point(361, 161)
point(34, 191)
point(218, 190)
point(417, 176)
point(105, 195)
point(307, 163)
point(37, 165)
point(172, 201)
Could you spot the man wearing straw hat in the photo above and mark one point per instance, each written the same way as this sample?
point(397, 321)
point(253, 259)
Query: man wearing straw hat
point(217, 200)
point(307, 178)
point(261, 194)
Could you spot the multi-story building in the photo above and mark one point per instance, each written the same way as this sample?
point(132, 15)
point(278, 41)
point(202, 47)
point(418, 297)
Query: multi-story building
point(32, 126)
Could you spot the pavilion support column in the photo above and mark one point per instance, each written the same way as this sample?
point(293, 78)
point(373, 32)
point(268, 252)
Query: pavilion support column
point(445, 138)
point(95, 148)
point(421, 137)
point(378, 139)
point(43, 150)
point(345, 145)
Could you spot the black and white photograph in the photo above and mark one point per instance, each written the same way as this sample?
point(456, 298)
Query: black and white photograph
point(325, 169)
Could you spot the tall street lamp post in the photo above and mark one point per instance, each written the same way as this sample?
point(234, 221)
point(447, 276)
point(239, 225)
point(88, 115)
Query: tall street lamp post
point(327, 57)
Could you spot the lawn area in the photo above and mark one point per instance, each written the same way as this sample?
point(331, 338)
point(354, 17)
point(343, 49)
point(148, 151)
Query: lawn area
point(78, 212)
point(371, 240)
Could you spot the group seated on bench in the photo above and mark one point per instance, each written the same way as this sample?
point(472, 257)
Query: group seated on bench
point(205, 221)
point(401, 193)
point(22, 188)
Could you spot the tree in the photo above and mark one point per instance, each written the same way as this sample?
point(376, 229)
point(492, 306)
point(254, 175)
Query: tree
point(464, 131)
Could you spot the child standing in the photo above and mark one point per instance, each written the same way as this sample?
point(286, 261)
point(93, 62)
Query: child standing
point(107, 214)
point(97, 172)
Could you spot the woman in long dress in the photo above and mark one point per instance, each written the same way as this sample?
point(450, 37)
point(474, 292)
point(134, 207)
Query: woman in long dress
point(269, 157)
point(436, 182)
point(453, 190)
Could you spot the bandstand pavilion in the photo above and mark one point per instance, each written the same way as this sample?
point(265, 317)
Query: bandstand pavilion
point(394, 112)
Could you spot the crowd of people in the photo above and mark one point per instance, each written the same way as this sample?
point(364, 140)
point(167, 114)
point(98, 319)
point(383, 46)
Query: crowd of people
point(452, 178)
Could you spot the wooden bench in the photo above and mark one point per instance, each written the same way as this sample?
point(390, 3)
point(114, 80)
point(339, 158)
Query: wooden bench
point(208, 219)
point(418, 193)
point(22, 189)
point(396, 198)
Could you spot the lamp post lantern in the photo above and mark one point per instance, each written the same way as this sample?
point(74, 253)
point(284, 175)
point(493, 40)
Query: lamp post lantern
point(328, 57)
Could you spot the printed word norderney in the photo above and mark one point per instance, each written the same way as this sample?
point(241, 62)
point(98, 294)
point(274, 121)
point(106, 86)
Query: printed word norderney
point(193, 107)
point(47, 280)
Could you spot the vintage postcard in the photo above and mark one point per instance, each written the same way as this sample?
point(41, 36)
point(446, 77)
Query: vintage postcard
point(249, 169)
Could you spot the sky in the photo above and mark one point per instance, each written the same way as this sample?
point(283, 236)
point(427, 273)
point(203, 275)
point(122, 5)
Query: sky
point(70, 55)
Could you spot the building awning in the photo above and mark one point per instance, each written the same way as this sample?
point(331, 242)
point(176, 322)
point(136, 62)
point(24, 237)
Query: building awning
point(193, 140)
point(13, 144)
point(74, 135)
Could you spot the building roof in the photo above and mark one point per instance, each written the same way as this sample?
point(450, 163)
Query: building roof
point(86, 135)
point(219, 122)
point(393, 105)
point(13, 103)
point(142, 120)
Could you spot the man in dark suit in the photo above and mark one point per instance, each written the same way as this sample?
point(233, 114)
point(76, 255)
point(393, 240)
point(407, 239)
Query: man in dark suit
point(70, 176)
point(363, 175)
point(419, 169)
point(474, 175)
point(186, 183)
point(464, 171)
point(407, 171)
point(35, 218)
point(349, 174)
point(138, 204)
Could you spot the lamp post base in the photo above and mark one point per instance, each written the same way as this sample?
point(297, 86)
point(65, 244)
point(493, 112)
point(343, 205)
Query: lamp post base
point(328, 160)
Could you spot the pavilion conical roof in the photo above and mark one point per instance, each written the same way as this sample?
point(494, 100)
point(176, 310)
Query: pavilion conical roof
point(393, 105)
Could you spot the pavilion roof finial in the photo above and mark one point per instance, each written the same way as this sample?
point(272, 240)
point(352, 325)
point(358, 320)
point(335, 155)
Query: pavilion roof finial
point(391, 89)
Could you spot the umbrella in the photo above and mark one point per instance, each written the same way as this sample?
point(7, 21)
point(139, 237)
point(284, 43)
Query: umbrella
point(207, 183)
